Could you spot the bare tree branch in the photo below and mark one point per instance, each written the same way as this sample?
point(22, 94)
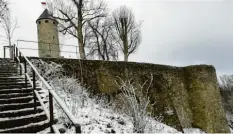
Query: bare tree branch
point(73, 16)
point(101, 34)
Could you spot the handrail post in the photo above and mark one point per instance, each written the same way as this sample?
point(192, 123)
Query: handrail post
point(78, 128)
point(20, 63)
point(16, 53)
point(34, 88)
point(13, 52)
point(25, 72)
point(51, 111)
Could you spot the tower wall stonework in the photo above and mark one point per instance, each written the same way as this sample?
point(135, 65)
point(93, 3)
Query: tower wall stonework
point(48, 41)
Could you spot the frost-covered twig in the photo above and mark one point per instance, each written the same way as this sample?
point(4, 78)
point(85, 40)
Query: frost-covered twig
point(136, 103)
point(68, 88)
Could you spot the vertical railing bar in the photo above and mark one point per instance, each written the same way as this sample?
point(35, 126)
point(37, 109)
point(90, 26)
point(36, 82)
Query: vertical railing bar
point(51, 111)
point(16, 56)
point(13, 52)
point(78, 128)
point(20, 63)
point(25, 72)
point(16, 49)
point(34, 88)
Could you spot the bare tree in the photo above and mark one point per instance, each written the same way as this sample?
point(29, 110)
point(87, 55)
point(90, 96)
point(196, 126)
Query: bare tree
point(101, 40)
point(128, 34)
point(73, 16)
point(9, 25)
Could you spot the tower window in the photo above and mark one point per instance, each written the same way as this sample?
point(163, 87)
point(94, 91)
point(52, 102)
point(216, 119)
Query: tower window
point(46, 21)
point(53, 37)
point(39, 22)
point(54, 22)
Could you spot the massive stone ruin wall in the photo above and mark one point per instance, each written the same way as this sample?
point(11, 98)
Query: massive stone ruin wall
point(190, 92)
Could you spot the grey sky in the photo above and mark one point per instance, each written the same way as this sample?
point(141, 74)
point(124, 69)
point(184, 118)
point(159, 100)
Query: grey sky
point(175, 32)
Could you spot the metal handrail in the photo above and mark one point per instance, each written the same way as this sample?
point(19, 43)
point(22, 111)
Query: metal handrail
point(52, 93)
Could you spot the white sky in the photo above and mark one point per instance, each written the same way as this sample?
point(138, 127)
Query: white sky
point(174, 32)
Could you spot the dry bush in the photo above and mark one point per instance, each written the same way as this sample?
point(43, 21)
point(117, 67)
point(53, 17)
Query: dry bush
point(68, 88)
point(135, 103)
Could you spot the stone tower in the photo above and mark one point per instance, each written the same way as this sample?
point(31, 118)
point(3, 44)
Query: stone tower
point(47, 32)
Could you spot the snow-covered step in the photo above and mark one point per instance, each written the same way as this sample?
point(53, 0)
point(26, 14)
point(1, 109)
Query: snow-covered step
point(10, 68)
point(20, 112)
point(15, 106)
point(12, 82)
point(30, 128)
point(20, 85)
point(7, 74)
point(11, 78)
point(25, 99)
point(7, 71)
point(8, 64)
point(22, 120)
point(14, 95)
point(10, 90)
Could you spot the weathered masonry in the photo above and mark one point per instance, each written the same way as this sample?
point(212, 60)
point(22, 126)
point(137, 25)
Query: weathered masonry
point(190, 92)
point(48, 39)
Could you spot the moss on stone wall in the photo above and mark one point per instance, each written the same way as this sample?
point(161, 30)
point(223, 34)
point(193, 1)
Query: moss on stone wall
point(204, 99)
point(184, 96)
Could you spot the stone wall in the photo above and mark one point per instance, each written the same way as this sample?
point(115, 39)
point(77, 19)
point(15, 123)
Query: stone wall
point(190, 93)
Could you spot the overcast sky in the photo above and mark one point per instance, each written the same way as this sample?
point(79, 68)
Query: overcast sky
point(174, 32)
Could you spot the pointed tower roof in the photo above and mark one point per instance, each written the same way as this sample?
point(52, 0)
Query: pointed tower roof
point(45, 15)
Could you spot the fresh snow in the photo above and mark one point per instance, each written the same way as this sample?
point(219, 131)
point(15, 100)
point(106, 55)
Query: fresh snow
point(94, 119)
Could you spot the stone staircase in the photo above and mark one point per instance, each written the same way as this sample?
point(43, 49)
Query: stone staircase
point(17, 113)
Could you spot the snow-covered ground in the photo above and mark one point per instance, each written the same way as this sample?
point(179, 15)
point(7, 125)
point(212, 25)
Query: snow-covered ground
point(95, 119)
point(229, 117)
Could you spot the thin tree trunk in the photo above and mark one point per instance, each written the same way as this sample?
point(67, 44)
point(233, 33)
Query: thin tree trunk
point(125, 57)
point(79, 31)
point(125, 49)
point(11, 49)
